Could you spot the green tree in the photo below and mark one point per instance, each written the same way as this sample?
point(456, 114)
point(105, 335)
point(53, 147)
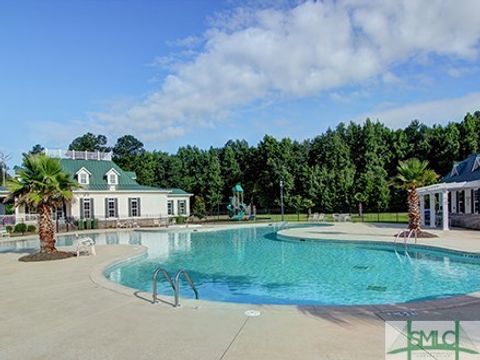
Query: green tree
point(298, 203)
point(199, 209)
point(126, 151)
point(35, 150)
point(469, 130)
point(42, 184)
point(412, 174)
point(90, 142)
point(230, 169)
point(214, 180)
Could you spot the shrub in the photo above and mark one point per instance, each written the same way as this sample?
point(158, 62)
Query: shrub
point(31, 228)
point(180, 219)
point(9, 228)
point(21, 228)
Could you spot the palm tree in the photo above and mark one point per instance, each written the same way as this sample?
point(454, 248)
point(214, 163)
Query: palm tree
point(412, 174)
point(41, 184)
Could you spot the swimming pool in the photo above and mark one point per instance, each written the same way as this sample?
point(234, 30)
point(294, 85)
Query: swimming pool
point(251, 265)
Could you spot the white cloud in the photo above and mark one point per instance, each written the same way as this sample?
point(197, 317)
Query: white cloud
point(252, 54)
point(432, 112)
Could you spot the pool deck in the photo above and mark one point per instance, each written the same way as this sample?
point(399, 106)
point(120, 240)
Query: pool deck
point(66, 309)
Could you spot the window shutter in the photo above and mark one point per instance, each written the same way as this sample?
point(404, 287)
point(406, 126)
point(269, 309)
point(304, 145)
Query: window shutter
point(138, 207)
point(92, 209)
point(116, 207)
point(81, 208)
point(106, 208)
point(130, 207)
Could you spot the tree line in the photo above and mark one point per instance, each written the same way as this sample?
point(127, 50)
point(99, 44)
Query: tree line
point(329, 173)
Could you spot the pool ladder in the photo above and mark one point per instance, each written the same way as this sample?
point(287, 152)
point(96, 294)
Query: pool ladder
point(175, 284)
point(406, 237)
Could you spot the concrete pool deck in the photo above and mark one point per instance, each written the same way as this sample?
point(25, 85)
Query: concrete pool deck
point(66, 309)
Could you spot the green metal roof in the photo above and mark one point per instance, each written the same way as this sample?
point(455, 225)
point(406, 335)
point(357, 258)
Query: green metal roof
point(98, 180)
point(177, 191)
point(131, 174)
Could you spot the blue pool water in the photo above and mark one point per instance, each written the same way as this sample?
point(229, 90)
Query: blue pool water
point(251, 265)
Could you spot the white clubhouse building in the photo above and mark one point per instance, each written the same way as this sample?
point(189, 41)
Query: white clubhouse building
point(107, 193)
point(455, 200)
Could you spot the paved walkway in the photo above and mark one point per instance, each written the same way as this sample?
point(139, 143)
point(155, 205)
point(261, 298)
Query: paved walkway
point(67, 310)
point(458, 239)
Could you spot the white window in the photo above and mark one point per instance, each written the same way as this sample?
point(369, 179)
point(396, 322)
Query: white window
point(111, 208)
point(112, 179)
point(59, 212)
point(134, 207)
point(182, 207)
point(83, 178)
point(87, 209)
point(170, 207)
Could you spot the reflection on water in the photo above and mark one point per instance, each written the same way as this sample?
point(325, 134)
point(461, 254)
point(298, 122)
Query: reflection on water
point(159, 244)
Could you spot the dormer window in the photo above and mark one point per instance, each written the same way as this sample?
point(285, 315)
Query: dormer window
point(112, 177)
point(83, 176)
point(476, 164)
point(454, 170)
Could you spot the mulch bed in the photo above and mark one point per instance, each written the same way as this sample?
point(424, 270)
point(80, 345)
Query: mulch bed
point(47, 256)
point(420, 235)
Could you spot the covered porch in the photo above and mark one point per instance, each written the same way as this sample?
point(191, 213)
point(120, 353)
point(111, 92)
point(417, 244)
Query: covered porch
point(450, 204)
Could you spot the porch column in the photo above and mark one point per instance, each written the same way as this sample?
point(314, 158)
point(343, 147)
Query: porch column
point(454, 202)
point(422, 210)
point(432, 210)
point(445, 210)
point(468, 199)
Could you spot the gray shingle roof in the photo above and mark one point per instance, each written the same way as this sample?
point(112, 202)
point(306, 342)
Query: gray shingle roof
point(464, 170)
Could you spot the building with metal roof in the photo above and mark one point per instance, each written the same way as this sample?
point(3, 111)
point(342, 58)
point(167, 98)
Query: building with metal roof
point(108, 193)
point(455, 201)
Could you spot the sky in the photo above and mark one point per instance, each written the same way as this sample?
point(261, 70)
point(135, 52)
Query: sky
point(199, 72)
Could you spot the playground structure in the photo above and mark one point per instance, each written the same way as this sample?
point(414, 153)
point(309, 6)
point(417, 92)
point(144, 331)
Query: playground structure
point(236, 209)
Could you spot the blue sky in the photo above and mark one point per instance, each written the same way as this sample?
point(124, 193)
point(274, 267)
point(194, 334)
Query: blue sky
point(201, 72)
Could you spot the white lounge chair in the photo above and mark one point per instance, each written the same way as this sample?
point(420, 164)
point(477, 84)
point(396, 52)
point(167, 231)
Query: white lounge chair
point(321, 217)
point(336, 217)
point(4, 233)
point(86, 245)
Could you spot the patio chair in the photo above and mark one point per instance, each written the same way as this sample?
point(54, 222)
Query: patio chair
point(321, 217)
point(336, 217)
point(4, 233)
point(86, 245)
point(121, 224)
point(346, 217)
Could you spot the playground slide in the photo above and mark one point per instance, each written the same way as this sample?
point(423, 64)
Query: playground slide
point(239, 216)
point(236, 214)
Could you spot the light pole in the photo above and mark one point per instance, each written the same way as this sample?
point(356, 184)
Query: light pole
point(281, 199)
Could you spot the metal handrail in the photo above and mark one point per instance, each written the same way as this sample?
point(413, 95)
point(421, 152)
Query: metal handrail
point(177, 285)
point(154, 283)
point(413, 231)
